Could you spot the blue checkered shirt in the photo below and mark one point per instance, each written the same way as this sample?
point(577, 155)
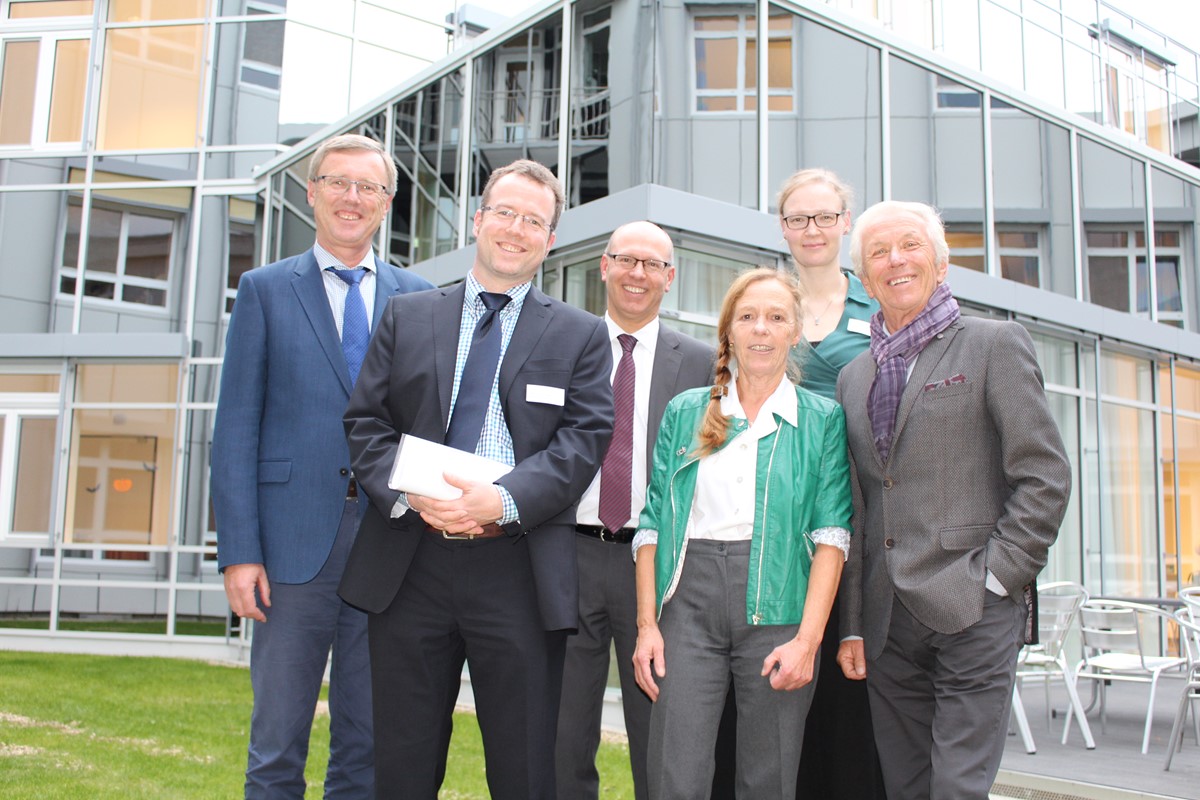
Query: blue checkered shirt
point(495, 440)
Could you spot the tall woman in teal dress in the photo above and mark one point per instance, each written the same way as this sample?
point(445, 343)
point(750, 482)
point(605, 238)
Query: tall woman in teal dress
point(814, 214)
point(839, 758)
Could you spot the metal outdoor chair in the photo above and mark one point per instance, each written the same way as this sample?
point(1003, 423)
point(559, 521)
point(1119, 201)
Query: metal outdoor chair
point(1058, 609)
point(1189, 636)
point(1120, 643)
point(1191, 601)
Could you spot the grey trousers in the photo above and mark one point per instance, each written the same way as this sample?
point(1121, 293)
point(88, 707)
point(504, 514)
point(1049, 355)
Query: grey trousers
point(607, 615)
point(940, 702)
point(706, 642)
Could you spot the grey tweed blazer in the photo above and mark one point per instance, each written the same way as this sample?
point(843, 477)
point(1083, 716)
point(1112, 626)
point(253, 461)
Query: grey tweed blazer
point(977, 480)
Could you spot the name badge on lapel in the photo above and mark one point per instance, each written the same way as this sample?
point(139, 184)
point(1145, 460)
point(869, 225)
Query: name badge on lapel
point(858, 326)
point(550, 395)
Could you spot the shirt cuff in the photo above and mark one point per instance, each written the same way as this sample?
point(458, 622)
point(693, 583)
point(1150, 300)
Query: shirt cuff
point(401, 506)
point(510, 506)
point(642, 538)
point(838, 537)
point(994, 585)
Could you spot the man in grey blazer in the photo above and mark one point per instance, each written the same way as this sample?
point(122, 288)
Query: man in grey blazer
point(961, 482)
point(637, 270)
point(286, 504)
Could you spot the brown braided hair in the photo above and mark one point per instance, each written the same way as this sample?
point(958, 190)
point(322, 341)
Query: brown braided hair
point(714, 428)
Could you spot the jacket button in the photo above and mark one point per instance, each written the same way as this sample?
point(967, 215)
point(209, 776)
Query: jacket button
point(887, 483)
point(889, 543)
point(343, 471)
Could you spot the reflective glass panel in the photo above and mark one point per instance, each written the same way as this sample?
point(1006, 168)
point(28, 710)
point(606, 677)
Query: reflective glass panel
point(151, 87)
point(17, 87)
point(33, 496)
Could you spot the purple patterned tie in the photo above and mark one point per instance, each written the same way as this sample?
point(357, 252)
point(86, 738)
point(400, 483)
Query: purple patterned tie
point(616, 473)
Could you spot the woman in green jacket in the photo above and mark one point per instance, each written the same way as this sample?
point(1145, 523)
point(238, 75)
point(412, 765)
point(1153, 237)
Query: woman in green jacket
point(739, 551)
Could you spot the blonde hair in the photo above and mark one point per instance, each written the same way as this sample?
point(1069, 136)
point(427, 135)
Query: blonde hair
point(714, 428)
point(816, 175)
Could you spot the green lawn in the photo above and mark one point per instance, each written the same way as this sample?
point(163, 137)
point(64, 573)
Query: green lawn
point(91, 727)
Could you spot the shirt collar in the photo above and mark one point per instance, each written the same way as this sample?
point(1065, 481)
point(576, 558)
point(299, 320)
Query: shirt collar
point(646, 335)
point(325, 259)
point(857, 293)
point(517, 293)
point(782, 402)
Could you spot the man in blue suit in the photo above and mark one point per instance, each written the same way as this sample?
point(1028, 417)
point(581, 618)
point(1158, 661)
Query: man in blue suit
point(286, 503)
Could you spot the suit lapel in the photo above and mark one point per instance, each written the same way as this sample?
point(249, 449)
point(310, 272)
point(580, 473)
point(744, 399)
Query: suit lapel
point(535, 316)
point(385, 286)
point(447, 312)
point(664, 377)
point(309, 286)
point(926, 363)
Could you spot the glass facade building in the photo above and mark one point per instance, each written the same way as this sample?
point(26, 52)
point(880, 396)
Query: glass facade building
point(1061, 148)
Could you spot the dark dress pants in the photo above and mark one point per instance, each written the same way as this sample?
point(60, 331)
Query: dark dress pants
point(288, 656)
point(471, 601)
point(607, 615)
point(940, 702)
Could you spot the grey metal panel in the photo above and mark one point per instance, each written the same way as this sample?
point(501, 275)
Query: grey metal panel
point(93, 345)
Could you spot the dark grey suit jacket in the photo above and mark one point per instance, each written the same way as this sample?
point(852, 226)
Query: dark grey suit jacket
point(680, 362)
point(405, 387)
point(977, 479)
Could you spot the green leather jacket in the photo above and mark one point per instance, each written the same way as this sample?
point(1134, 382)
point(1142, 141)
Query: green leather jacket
point(802, 485)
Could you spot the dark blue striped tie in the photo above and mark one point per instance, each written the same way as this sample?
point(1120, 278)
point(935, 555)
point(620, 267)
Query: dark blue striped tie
point(478, 375)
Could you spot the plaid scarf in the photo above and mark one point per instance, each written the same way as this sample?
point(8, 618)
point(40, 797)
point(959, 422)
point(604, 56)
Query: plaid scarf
point(893, 355)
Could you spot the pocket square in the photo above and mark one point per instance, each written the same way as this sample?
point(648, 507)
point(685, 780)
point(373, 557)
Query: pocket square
point(953, 379)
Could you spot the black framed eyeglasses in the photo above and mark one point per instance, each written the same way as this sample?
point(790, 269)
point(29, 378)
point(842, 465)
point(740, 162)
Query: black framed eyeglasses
point(824, 219)
point(629, 262)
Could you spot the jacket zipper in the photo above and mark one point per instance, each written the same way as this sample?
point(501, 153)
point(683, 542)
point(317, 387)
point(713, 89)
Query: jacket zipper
point(762, 549)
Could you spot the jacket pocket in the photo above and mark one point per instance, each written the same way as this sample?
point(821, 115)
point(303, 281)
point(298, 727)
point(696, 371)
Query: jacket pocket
point(275, 471)
point(965, 537)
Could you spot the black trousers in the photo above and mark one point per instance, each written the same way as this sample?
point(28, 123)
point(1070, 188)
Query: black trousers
point(471, 601)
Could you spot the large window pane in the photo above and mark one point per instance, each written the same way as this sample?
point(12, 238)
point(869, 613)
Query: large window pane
point(1128, 543)
point(837, 123)
point(34, 475)
point(68, 90)
point(17, 86)
point(1031, 178)
point(127, 383)
point(145, 10)
point(151, 87)
point(27, 9)
point(608, 133)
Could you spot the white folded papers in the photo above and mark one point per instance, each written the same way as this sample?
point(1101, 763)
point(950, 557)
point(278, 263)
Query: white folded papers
point(420, 464)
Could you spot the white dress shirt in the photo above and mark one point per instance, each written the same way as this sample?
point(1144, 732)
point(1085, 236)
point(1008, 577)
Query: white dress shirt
point(588, 512)
point(336, 289)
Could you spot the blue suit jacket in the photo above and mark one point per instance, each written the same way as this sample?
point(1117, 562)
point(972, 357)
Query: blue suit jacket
point(405, 386)
point(280, 465)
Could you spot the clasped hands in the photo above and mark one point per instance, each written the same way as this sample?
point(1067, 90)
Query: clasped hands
point(479, 505)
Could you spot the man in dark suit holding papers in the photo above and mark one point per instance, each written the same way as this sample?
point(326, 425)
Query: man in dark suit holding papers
point(494, 367)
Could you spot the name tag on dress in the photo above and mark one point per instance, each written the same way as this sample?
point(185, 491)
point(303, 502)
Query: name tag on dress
point(859, 326)
point(550, 395)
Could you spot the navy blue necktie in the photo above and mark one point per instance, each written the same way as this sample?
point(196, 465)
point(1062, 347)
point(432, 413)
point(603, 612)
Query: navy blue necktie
point(355, 333)
point(478, 375)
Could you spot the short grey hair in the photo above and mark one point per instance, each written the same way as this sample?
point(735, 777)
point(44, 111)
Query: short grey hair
point(351, 142)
